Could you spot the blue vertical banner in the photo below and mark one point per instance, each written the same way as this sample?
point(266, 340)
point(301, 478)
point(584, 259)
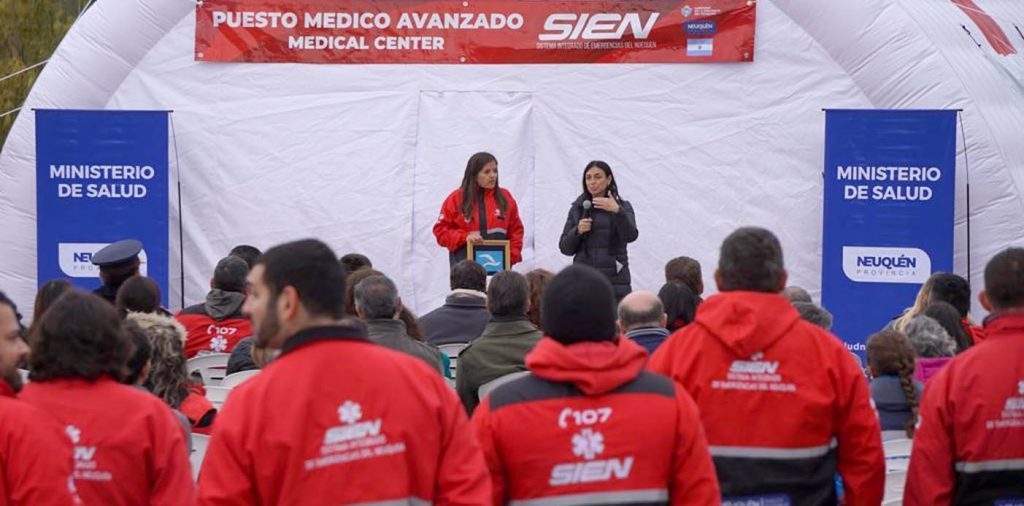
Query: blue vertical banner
point(890, 181)
point(101, 176)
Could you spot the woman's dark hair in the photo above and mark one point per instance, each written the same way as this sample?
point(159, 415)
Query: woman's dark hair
point(949, 318)
point(890, 352)
point(412, 324)
point(139, 295)
point(470, 189)
point(613, 187)
point(80, 336)
point(537, 279)
point(47, 294)
point(680, 304)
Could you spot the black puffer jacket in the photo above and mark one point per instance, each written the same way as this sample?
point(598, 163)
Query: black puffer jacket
point(604, 247)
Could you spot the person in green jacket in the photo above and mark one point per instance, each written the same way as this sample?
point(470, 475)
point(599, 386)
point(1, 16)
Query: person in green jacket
point(507, 339)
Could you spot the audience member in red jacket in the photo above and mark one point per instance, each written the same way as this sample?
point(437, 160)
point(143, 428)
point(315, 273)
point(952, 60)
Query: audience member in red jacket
point(969, 448)
point(588, 425)
point(783, 403)
point(128, 446)
point(35, 455)
point(335, 419)
point(216, 325)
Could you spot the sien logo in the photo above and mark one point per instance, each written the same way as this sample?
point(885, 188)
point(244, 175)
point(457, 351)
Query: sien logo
point(601, 26)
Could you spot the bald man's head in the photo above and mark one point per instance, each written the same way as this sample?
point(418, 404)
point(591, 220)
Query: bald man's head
point(640, 310)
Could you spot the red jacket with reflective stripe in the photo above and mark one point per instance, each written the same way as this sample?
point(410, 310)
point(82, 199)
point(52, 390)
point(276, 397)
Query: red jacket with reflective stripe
point(970, 443)
point(590, 423)
point(128, 446)
point(337, 419)
point(35, 456)
point(771, 389)
point(452, 227)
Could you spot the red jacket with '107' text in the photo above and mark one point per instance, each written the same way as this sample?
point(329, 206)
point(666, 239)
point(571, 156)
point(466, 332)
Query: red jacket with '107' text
point(589, 426)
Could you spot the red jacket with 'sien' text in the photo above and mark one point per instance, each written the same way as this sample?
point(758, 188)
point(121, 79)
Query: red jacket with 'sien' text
point(337, 419)
point(589, 426)
point(129, 448)
point(969, 448)
point(783, 402)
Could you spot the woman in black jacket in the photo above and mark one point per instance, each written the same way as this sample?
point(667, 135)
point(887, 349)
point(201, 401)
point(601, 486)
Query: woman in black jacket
point(599, 226)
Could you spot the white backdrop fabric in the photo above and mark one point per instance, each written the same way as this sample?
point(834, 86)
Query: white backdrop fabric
point(361, 156)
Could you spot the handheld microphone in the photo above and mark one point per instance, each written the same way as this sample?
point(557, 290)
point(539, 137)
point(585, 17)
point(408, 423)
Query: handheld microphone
point(586, 208)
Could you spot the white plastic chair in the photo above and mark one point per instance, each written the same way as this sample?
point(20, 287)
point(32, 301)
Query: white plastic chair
point(894, 484)
point(488, 387)
point(24, 375)
point(233, 380)
point(452, 350)
point(211, 367)
point(199, 444)
point(217, 395)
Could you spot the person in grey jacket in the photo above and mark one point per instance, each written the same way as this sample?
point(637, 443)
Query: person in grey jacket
point(599, 226)
point(379, 306)
point(505, 342)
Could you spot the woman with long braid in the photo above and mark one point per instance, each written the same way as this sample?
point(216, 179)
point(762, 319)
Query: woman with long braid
point(896, 394)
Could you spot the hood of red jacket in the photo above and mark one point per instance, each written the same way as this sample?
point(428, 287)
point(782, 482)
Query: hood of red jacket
point(746, 322)
point(594, 367)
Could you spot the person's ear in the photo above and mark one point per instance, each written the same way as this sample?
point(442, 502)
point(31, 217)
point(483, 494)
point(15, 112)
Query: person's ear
point(664, 320)
point(398, 311)
point(622, 328)
point(288, 303)
point(718, 280)
point(983, 298)
point(782, 281)
point(211, 283)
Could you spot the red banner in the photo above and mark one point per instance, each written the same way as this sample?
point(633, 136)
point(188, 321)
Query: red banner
point(477, 31)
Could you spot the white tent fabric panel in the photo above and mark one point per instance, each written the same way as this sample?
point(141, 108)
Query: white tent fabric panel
point(362, 155)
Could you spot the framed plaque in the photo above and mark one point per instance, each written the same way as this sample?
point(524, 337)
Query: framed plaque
point(494, 256)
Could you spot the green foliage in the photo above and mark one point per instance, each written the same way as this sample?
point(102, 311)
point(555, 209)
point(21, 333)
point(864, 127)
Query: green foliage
point(29, 32)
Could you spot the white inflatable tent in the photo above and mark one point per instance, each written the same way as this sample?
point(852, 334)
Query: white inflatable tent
point(362, 156)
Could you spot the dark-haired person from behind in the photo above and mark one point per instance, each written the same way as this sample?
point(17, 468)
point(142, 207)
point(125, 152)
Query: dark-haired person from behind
point(463, 316)
point(139, 295)
point(35, 454)
point(896, 395)
point(247, 253)
point(480, 209)
point(505, 342)
point(687, 271)
point(352, 262)
point(949, 318)
point(217, 325)
point(783, 404)
point(79, 352)
point(140, 364)
point(49, 292)
point(599, 226)
point(969, 446)
point(679, 303)
point(380, 307)
point(348, 421)
point(954, 289)
point(588, 405)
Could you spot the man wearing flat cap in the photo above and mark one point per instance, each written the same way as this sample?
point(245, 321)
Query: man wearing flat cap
point(118, 262)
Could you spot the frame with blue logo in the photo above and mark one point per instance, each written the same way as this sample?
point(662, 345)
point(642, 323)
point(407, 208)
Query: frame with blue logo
point(493, 255)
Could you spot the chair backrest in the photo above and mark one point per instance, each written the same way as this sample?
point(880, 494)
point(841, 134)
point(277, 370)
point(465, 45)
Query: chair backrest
point(199, 444)
point(486, 388)
point(452, 350)
point(894, 485)
point(233, 380)
point(211, 367)
point(217, 394)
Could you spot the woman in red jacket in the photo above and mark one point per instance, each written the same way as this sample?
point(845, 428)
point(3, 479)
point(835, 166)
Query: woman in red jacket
point(479, 210)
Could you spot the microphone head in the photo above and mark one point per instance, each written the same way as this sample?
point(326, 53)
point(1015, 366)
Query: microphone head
point(586, 205)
